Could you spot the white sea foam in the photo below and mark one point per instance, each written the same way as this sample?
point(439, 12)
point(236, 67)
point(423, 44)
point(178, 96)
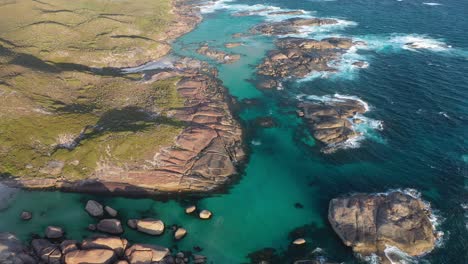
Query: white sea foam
point(412, 42)
point(431, 4)
point(256, 142)
point(396, 256)
point(212, 6)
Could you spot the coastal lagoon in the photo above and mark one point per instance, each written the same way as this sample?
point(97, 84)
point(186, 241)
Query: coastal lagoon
point(416, 87)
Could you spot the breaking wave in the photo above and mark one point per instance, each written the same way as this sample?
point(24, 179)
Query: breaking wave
point(411, 42)
point(431, 4)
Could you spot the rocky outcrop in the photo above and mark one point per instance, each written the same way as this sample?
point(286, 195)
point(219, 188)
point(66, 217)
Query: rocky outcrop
point(332, 121)
point(297, 57)
point(97, 250)
point(218, 55)
point(290, 26)
point(12, 251)
point(370, 222)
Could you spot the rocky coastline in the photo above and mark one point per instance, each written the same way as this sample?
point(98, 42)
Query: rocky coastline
point(203, 156)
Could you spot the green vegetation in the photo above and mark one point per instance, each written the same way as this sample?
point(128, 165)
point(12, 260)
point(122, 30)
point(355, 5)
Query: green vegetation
point(89, 32)
point(58, 117)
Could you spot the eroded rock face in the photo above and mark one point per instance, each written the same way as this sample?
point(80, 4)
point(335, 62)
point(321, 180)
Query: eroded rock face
point(297, 57)
point(290, 26)
point(218, 55)
point(370, 222)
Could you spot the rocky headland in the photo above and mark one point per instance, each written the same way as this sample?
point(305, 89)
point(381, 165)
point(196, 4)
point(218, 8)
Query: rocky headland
point(370, 223)
point(332, 121)
point(70, 124)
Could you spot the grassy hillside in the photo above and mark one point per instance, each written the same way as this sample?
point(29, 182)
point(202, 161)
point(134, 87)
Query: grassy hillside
point(90, 32)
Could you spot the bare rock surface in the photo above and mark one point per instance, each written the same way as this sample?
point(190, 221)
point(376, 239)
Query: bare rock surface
point(90, 256)
point(150, 226)
point(331, 121)
point(290, 26)
point(370, 222)
point(297, 57)
point(116, 244)
point(142, 253)
point(218, 55)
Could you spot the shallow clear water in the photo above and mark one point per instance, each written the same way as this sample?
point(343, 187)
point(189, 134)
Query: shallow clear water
point(420, 95)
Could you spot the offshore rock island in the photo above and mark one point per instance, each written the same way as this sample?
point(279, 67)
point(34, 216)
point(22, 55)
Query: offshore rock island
point(68, 123)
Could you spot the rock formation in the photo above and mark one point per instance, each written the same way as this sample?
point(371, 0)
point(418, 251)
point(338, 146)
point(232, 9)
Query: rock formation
point(290, 26)
point(332, 121)
point(297, 57)
point(218, 55)
point(96, 250)
point(370, 222)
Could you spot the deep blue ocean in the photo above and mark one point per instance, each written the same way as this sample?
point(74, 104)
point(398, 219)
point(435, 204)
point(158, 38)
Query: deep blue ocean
point(416, 135)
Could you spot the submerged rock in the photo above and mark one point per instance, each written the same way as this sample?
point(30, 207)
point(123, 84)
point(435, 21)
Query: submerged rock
point(218, 55)
point(266, 122)
point(369, 223)
point(231, 45)
point(25, 215)
point(111, 226)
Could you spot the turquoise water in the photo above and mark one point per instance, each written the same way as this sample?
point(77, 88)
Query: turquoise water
point(420, 95)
